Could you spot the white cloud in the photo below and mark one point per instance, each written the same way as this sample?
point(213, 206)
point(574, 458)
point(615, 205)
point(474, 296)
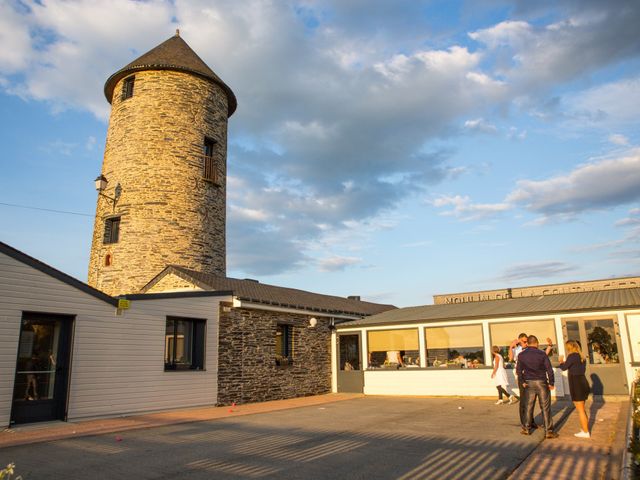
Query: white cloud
point(615, 104)
point(15, 40)
point(596, 185)
point(480, 125)
point(337, 263)
point(541, 271)
point(618, 139)
point(464, 210)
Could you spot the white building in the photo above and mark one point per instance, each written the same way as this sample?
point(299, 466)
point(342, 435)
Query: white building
point(68, 352)
point(446, 349)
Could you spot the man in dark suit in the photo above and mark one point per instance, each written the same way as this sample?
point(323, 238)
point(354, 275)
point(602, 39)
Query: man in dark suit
point(534, 368)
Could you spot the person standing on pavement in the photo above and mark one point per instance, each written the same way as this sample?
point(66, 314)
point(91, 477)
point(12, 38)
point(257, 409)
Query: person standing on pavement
point(578, 384)
point(499, 376)
point(538, 380)
point(516, 347)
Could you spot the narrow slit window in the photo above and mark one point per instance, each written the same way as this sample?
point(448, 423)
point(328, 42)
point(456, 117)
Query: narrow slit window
point(210, 172)
point(127, 87)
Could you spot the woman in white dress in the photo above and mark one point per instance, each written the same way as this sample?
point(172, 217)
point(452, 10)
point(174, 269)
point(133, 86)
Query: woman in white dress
point(499, 376)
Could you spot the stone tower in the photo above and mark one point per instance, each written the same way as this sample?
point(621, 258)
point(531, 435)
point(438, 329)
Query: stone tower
point(162, 198)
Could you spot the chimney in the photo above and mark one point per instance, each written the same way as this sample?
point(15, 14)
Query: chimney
point(354, 297)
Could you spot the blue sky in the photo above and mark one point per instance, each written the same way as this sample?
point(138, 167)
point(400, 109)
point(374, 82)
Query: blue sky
point(392, 150)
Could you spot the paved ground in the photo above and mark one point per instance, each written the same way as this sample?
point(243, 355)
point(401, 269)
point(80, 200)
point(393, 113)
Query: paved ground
point(573, 458)
point(358, 437)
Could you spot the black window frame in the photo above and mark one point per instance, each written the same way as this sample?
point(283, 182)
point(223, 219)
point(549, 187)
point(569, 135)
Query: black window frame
point(284, 355)
point(111, 234)
point(128, 86)
point(198, 343)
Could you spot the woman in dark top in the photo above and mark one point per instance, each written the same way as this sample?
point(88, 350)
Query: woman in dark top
point(578, 385)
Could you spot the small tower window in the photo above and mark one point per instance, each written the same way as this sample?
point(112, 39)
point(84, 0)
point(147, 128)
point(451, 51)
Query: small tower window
point(210, 171)
point(108, 260)
point(111, 230)
point(127, 87)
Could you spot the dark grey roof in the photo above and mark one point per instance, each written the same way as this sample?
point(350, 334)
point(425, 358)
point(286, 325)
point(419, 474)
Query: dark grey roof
point(540, 305)
point(256, 292)
point(172, 54)
point(57, 274)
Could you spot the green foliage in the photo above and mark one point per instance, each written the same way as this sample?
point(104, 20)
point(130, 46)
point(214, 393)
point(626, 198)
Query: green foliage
point(7, 472)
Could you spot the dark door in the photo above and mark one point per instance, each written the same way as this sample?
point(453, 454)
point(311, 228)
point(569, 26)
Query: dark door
point(600, 342)
point(42, 369)
point(350, 374)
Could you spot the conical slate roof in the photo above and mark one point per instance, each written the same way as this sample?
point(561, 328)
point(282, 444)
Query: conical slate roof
point(173, 54)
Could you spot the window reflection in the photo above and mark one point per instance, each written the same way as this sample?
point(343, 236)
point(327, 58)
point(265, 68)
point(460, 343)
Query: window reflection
point(601, 343)
point(455, 347)
point(393, 348)
point(35, 375)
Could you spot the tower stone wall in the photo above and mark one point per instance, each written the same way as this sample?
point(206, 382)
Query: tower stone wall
point(169, 213)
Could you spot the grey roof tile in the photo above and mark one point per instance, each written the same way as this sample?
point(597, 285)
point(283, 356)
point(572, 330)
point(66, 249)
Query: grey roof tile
point(256, 292)
point(538, 305)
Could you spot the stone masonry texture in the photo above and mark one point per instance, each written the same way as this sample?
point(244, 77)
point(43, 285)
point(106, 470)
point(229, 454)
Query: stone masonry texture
point(168, 213)
point(247, 371)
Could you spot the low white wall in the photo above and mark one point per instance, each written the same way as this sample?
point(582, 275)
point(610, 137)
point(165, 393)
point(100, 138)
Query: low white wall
point(445, 382)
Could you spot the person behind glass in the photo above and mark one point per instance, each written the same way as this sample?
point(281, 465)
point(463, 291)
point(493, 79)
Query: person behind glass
point(499, 375)
point(538, 380)
point(578, 385)
point(516, 347)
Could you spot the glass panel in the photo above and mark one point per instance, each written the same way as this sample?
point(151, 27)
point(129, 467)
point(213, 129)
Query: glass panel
point(601, 341)
point(349, 352)
point(183, 342)
point(455, 347)
point(502, 334)
point(169, 345)
point(393, 348)
point(633, 322)
point(36, 372)
point(573, 332)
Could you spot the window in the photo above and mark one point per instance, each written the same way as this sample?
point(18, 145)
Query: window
point(393, 348)
point(455, 347)
point(127, 87)
point(111, 230)
point(284, 344)
point(210, 172)
point(633, 324)
point(184, 344)
point(502, 334)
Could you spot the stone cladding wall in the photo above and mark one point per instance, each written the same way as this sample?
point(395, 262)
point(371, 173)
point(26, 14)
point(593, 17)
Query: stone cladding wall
point(168, 213)
point(171, 283)
point(247, 371)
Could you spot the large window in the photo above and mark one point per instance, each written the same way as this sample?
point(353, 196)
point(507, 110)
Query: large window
point(393, 348)
point(503, 334)
point(455, 347)
point(184, 344)
point(111, 230)
point(284, 344)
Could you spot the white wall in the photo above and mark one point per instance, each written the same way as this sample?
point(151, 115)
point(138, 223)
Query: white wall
point(117, 364)
point(442, 382)
point(118, 361)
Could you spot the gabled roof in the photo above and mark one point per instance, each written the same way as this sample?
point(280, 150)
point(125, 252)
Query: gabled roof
point(57, 274)
point(627, 298)
point(261, 293)
point(172, 54)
